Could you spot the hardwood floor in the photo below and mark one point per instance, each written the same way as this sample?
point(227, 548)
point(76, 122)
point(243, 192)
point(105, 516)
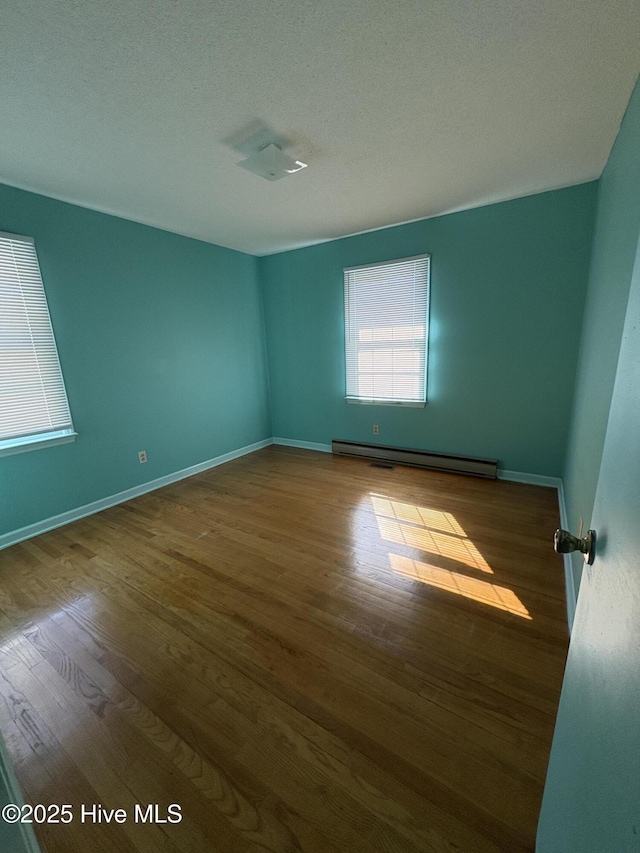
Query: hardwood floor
point(304, 652)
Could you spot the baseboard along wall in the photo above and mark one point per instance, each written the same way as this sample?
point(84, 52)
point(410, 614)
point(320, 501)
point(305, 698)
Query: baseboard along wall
point(15, 536)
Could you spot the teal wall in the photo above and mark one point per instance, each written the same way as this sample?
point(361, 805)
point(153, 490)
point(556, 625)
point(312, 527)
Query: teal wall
point(161, 341)
point(508, 285)
point(614, 247)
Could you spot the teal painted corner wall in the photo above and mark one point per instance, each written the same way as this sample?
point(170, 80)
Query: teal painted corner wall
point(592, 791)
point(161, 341)
point(508, 286)
point(614, 247)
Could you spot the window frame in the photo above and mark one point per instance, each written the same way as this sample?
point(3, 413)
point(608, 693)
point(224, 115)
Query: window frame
point(367, 401)
point(47, 437)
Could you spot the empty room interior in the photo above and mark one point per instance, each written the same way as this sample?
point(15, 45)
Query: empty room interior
point(319, 418)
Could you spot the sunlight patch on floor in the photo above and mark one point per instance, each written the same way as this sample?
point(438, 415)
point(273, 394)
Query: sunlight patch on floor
point(473, 588)
point(435, 519)
point(430, 530)
point(437, 532)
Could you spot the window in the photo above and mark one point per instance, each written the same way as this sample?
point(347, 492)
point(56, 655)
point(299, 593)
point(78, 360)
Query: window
point(33, 402)
point(386, 312)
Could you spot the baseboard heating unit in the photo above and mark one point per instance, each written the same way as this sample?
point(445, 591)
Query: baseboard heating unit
point(418, 458)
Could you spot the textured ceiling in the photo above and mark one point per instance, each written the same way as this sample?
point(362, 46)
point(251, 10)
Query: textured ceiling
point(402, 108)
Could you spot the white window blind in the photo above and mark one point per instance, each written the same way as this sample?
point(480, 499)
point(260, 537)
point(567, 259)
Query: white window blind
point(33, 400)
point(386, 331)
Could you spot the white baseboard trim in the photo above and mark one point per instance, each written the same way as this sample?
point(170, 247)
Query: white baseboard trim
point(556, 483)
point(570, 587)
point(514, 476)
point(39, 527)
point(529, 479)
point(305, 445)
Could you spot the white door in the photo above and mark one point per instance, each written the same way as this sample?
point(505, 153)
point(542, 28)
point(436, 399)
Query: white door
point(592, 795)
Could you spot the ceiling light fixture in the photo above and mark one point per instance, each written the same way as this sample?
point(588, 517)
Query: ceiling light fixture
point(272, 163)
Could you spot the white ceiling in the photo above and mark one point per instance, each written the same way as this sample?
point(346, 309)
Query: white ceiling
point(402, 108)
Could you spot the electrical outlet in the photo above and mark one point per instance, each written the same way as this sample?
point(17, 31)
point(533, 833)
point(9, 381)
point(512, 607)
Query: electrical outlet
point(376, 429)
point(142, 456)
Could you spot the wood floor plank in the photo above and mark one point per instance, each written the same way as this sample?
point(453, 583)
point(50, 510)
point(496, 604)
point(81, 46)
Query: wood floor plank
point(304, 652)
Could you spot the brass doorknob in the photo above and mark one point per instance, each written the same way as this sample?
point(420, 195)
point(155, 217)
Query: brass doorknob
point(565, 543)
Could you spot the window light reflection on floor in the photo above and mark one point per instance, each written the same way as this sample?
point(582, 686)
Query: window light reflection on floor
point(434, 543)
point(474, 588)
point(435, 519)
point(439, 533)
point(407, 524)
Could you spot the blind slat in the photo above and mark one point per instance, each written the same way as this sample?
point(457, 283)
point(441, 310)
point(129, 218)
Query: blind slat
point(386, 330)
point(33, 398)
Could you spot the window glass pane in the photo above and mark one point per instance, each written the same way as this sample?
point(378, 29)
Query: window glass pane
point(33, 399)
point(386, 325)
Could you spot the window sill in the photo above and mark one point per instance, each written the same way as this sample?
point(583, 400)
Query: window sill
point(34, 442)
point(410, 403)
